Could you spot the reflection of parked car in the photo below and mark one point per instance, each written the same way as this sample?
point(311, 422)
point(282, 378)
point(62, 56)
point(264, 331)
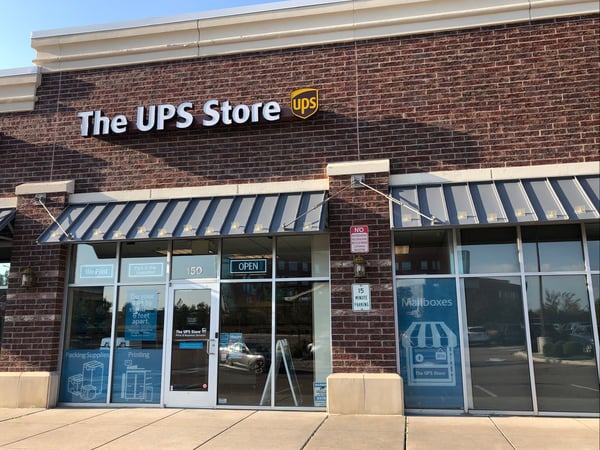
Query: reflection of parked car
point(583, 334)
point(478, 336)
point(511, 334)
point(239, 354)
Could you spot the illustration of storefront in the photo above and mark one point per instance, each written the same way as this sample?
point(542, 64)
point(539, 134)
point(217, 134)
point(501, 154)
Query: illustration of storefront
point(429, 348)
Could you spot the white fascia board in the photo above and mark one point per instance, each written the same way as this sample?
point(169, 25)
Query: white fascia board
point(279, 25)
point(9, 202)
point(50, 187)
point(358, 167)
point(18, 89)
point(495, 174)
point(202, 191)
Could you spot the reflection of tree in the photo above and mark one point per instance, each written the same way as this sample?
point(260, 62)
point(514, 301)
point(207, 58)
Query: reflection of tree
point(4, 277)
point(182, 312)
point(561, 307)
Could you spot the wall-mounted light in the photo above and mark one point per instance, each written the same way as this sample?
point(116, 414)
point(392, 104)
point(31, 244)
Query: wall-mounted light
point(360, 267)
point(27, 277)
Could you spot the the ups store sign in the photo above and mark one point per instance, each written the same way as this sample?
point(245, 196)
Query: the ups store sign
point(304, 103)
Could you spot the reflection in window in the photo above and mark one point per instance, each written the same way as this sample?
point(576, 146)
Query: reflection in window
point(302, 355)
point(84, 373)
point(488, 250)
point(302, 256)
point(197, 258)
point(143, 262)
point(94, 263)
point(496, 340)
point(419, 252)
point(552, 248)
point(563, 343)
point(247, 258)
point(4, 271)
point(244, 343)
point(90, 317)
point(190, 340)
point(592, 231)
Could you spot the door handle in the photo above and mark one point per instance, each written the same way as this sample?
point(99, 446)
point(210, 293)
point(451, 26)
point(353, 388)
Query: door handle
point(213, 346)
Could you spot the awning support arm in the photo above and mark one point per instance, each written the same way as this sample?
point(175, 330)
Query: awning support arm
point(318, 205)
point(432, 219)
point(41, 200)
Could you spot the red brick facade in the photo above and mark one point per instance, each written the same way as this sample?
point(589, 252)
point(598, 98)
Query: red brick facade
point(514, 95)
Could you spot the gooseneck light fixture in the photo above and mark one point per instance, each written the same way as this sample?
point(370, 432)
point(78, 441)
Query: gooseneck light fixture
point(27, 278)
point(360, 267)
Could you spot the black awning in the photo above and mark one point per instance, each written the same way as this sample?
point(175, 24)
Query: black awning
point(192, 217)
point(6, 216)
point(573, 198)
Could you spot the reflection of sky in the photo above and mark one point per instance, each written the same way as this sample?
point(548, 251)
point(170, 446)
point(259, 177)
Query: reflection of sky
point(568, 284)
point(489, 258)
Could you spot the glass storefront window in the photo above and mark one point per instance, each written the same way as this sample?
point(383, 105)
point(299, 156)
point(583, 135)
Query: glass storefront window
point(136, 272)
point(247, 258)
point(592, 231)
point(244, 343)
point(495, 333)
point(143, 262)
point(302, 256)
point(84, 373)
point(488, 250)
point(94, 263)
point(552, 248)
point(137, 365)
point(198, 258)
point(4, 271)
point(421, 252)
point(563, 343)
point(302, 353)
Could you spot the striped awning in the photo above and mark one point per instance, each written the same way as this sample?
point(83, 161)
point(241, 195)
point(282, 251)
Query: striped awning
point(6, 216)
point(192, 217)
point(429, 334)
point(572, 198)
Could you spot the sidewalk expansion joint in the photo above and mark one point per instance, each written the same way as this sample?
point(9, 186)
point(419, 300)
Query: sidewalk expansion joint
point(314, 432)
point(137, 429)
point(226, 429)
point(502, 433)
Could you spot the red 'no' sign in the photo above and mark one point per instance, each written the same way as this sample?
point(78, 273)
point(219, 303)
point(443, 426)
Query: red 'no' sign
point(359, 239)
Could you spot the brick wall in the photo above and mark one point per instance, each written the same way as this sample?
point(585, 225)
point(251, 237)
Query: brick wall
point(502, 96)
point(523, 94)
point(361, 341)
point(33, 314)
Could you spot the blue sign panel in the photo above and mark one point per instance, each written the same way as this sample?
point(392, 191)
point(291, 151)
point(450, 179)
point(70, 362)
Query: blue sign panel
point(137, 375)
point(429, 346)
point(84, 376)
point(141, 314)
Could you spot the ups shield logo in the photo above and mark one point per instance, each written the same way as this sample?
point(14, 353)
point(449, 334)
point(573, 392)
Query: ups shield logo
point(305, 102)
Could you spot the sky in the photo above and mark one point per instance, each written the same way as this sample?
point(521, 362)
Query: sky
point(19, 18)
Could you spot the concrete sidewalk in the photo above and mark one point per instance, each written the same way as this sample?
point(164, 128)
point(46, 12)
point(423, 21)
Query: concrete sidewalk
point(154, 428)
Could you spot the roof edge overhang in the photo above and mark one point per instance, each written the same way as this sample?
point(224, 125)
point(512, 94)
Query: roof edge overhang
point(279, 25)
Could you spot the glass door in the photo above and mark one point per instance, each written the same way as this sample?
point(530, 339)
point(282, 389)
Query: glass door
point(192, 346)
